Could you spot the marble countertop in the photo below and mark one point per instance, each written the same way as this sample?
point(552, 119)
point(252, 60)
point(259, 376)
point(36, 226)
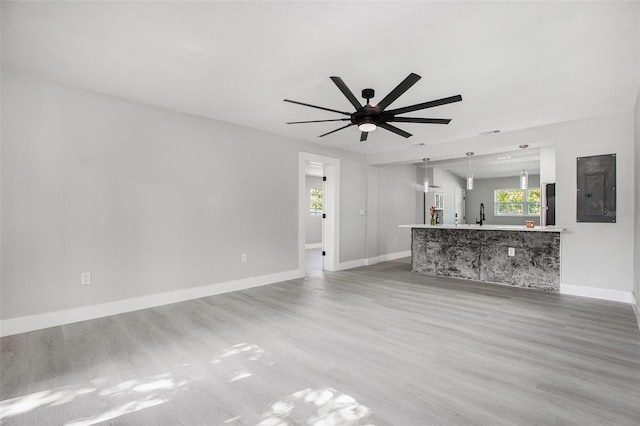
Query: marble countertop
point(488, 227)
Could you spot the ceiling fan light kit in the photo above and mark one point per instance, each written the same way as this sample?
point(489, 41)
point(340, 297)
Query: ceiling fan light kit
point(369, 117)
point(367, 127)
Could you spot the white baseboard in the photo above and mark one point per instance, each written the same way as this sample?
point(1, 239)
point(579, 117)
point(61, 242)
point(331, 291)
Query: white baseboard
point(636, 309)
point(373, 260)
point(351, 264)
point(598, 293)
point(312, 246)
point(51, 319)
point(388, 257)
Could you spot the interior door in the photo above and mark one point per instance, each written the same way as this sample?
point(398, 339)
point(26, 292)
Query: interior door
point(324, 220)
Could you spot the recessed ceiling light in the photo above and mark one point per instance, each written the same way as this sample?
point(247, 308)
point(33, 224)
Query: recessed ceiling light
point(506, 157)
point(418, 144)
point(489, 132)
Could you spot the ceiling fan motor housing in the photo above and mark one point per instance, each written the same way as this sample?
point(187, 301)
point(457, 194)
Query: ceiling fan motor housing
point(367, 114)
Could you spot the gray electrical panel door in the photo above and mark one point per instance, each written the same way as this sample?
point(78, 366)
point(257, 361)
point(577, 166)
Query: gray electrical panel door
point(596, 195)
point(550, 192)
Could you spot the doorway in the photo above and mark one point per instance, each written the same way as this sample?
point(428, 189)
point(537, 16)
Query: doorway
point(459, 206)
point(314, 190)
point(318, 202)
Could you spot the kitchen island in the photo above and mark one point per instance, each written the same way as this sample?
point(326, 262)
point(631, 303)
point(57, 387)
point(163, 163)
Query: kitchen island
point(503, 254)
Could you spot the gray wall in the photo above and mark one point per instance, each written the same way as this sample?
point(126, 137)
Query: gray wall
point(396, 198)
point(636, 219)
point(483, 192)
point(596, 254)
point(146, 199)
point(313, 233)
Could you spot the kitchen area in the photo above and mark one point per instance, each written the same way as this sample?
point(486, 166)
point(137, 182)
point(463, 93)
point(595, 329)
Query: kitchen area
point(490, 218)
point(513, 186)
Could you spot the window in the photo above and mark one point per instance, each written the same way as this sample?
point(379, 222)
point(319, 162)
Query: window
point(315, 201)
point(517, 202)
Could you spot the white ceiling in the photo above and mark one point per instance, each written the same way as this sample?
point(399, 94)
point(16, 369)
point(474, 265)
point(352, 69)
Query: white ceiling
point(516, 64)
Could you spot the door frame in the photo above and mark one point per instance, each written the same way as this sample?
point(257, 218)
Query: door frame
point(331, 233)
point(463, 192)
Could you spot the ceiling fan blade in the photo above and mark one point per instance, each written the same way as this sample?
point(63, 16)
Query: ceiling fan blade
point(399, 90)
point(318, 107)
point(419, 120)
point(345, 91)
point(363, 136)
point(333, 131)
point(395, 130)
point(425, 105)
point(318, 121)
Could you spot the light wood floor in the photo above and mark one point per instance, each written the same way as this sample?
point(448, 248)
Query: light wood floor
point(370, 346)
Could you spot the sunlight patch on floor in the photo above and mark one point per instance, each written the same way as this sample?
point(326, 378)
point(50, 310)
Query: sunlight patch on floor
point(136, 394)
point(318, 407)
point(113, 413)
point(240, 375)
point(24, 404)
point(244, 351)
point(154, 383)
point(252, 352)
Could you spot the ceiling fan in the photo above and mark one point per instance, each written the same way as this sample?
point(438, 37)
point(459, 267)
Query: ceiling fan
point(368, 117)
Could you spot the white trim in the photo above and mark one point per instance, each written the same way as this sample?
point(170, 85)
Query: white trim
point(597, 293)
point(51, 319)
point(636, 310)
point(351, 264)
point(313, 246)
point(373, 260)
point(388, 257)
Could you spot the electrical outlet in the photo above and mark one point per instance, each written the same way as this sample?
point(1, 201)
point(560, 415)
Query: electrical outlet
point(363, 212)
point(512, 251)
point(85, 278)
point(243, 258)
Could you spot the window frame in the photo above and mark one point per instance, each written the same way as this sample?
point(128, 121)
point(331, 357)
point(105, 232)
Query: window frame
point(525, 203)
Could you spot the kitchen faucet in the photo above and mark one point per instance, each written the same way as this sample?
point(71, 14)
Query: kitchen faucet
point(481, 215)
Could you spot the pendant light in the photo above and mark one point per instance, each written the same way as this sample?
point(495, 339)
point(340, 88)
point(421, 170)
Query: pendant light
point(469, 174)
point(524, 175)
point(426, 175)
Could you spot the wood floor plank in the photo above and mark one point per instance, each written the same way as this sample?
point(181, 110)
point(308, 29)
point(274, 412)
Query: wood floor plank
point(375, 345)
